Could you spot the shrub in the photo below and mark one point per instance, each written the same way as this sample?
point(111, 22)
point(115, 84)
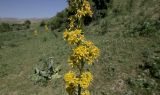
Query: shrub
point(43, 23)
point(152, 63)
point(4, 27)
point(143, 84)
point(146, 28)
point(58, 20)
point(45, 72)
point(27, 24)
point(101, 4)
point(147, 80)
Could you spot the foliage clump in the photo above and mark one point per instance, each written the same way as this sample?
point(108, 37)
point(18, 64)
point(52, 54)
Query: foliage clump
point(4, 27)
point(146, 28)
point(45, 72)
point(147, 81)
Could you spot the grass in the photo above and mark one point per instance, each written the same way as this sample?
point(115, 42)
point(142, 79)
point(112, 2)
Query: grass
point(17, 63)
point(116, 72)
point(120, 57)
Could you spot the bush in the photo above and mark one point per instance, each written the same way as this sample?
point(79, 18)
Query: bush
point(100, 8)
point(27, 24)
point(147, 80)
point(146, 28)
point(43, 23)
point(101, 4)
point(152, 63)
point(4, 27)
point(102, 27)
point(57, 21)
point(142, 83)
point(45, 72)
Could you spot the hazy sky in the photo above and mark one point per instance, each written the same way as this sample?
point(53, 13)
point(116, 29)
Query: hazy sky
point(31, 8)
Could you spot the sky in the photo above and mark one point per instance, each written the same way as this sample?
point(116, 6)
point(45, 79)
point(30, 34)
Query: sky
point(31, 8)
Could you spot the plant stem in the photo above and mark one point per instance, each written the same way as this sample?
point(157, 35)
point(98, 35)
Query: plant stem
point(80, 73)
point(79, 90)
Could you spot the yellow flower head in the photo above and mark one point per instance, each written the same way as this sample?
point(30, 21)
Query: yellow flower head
point(84, 10)
point(86, 52)
point(70, 79)
point(80, 13)
point(87, 9)
point(93, 51)
point(73, 37)
point(80, 54)
point(93, 54)
point(85, 79)
point(86, 92)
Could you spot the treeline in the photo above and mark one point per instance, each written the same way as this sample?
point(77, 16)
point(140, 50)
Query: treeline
point(5, 27)
point(99, 8)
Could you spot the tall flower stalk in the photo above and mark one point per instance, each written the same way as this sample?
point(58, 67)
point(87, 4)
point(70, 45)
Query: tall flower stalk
point(84, 52)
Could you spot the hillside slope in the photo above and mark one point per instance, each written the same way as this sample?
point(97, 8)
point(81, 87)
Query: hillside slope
point(129, 64)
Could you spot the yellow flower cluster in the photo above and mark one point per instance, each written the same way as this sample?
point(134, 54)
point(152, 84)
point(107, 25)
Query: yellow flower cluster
point(79, 54)
point(93, 52)
point(80, 11)
point(46, 28)
point(35, 32)
point(85, 79)
point(72, 20)
point(84, 10)
point(87, 8)
point(85, 52)
point(70, 79)
point(73, 37)
point(86, 92)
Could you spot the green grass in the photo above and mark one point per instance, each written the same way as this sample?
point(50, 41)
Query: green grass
point(17, 63)
point(120, 57)
point(116, 72)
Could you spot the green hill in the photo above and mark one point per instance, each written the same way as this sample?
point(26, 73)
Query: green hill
point(127, 33)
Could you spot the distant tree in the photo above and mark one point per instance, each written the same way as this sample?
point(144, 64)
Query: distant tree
point(4, 27)
point(27, 23)
point(43, 23)
point(58, 21)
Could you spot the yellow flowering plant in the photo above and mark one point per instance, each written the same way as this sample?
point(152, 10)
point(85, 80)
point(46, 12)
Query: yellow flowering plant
point(35, 32)
point(46, 28)
point(84, 53)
